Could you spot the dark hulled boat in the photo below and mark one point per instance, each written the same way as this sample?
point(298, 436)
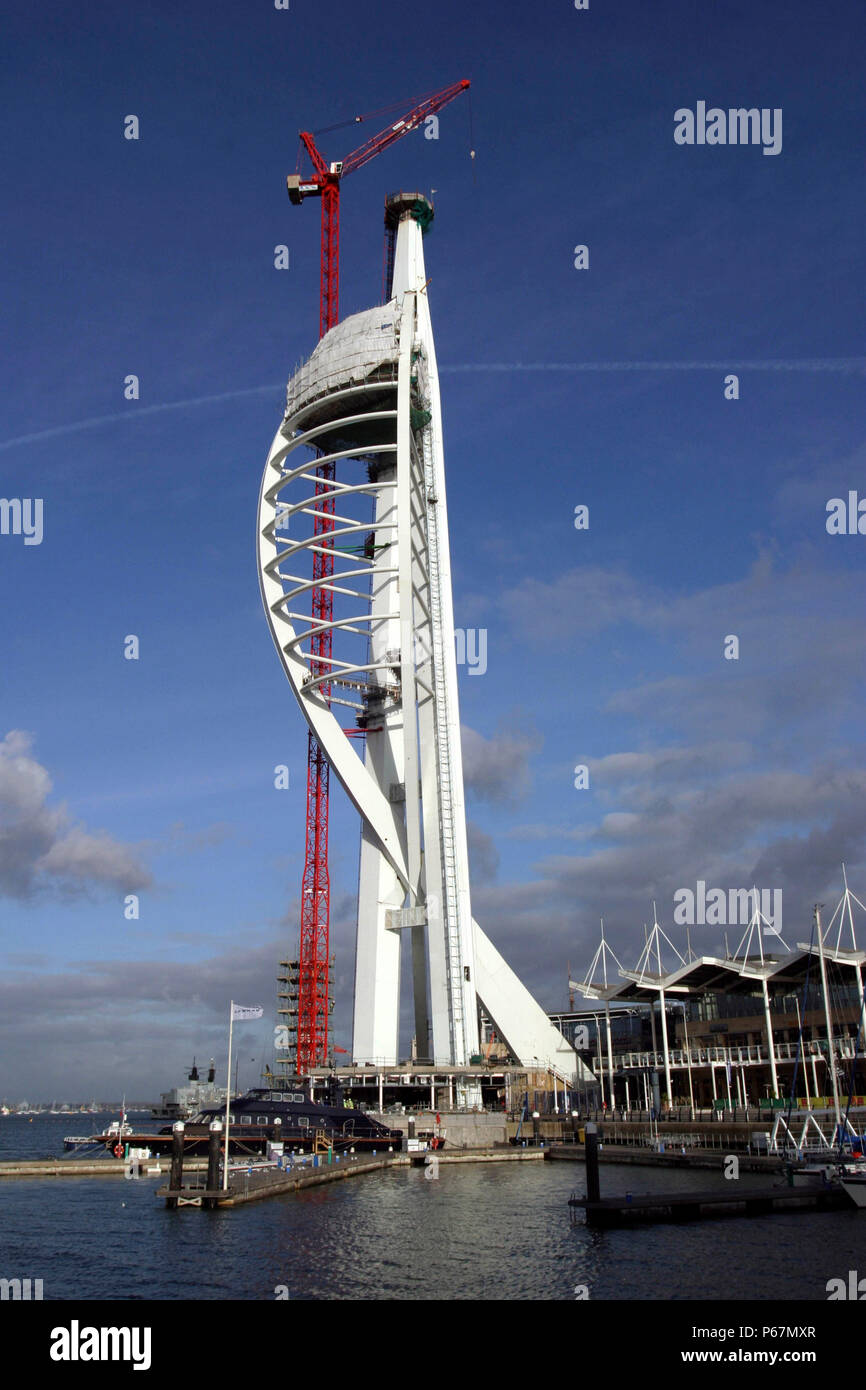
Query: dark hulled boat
point(265, 1115)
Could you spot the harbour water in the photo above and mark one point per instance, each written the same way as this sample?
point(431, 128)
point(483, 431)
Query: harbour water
point(480, 1232)
point(41, 1136)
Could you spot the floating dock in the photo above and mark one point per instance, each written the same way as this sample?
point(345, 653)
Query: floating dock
point(670, 1158)
point(252, 1184)
point(699, 1206)
point(694, 1206)
point(257, 1182)
point(88, 1167)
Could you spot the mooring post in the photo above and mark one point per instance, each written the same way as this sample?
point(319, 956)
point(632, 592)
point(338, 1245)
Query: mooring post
point(175, 1178)
point(213, 1161)
point(593, 1191)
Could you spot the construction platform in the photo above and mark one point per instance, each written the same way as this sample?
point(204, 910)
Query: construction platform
point(416, 1085)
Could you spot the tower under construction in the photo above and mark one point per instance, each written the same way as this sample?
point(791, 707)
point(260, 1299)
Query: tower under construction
point(353, 504)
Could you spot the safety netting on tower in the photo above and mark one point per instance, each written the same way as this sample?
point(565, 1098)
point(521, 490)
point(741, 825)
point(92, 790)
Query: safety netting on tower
point(363, 348)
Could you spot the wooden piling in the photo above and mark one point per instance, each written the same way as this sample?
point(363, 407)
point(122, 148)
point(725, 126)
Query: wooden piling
point(213, 1161)
point(593, 1190)
point(175, 1180)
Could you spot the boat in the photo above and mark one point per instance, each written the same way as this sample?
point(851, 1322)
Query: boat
point(115, 1137)
point(811, 1174)
point(852, 1179)
point(81, 1141)
point(266, 1115)
point(849, 1174)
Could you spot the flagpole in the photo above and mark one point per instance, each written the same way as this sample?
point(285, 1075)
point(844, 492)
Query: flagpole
point(228, 1096)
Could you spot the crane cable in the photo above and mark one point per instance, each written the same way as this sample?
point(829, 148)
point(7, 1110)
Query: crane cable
point(380, 111)
point(471, 133)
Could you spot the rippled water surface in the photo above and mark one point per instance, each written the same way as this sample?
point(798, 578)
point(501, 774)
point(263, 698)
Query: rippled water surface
point(482, 1231)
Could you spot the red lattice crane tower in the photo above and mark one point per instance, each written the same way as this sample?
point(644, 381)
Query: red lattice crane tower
point(314, 958)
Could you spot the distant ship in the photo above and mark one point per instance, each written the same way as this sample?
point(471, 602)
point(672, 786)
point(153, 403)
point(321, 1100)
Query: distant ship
point(182, 1102)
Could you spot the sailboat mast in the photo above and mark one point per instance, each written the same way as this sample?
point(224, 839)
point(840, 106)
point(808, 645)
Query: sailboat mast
point(830, 1059)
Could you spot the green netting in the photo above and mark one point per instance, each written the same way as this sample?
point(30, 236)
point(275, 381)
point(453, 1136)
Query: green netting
point(423, 214)
point(419, 418)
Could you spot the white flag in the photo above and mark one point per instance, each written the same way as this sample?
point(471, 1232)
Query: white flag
point(239, 1012)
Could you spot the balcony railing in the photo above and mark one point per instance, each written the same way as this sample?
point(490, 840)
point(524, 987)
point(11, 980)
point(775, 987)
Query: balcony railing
point(752, 1054)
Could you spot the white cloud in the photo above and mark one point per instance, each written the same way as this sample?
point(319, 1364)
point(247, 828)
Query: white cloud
point(41, 848)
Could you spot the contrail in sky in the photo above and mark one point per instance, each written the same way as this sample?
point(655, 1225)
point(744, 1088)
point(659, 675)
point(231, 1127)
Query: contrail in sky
point(136, 413)
point(809, 364)
point(813, 364)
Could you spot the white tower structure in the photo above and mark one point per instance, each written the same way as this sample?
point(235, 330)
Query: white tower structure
point(367, 400)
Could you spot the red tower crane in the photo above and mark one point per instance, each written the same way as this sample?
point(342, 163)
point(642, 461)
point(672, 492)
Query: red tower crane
point(313, 959)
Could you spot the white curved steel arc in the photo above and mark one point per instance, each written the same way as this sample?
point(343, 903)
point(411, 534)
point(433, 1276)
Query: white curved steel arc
point(279, 449)
point(302, 471)
point(371, 486)
point(344, 624)
point(386, 447)
point(304, 585)
point(292, 475)
point(368, 489)
point(360, 388)
point(368, 799)
point(329, 494)
point(301, 437)
point(314, 542)
point(286, 477)
point(332, 625)
point(368, 619)
point(316, 681)
point(310, 508)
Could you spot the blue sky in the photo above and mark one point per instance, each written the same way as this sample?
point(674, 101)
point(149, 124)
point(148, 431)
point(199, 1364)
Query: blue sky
point(707, 516)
